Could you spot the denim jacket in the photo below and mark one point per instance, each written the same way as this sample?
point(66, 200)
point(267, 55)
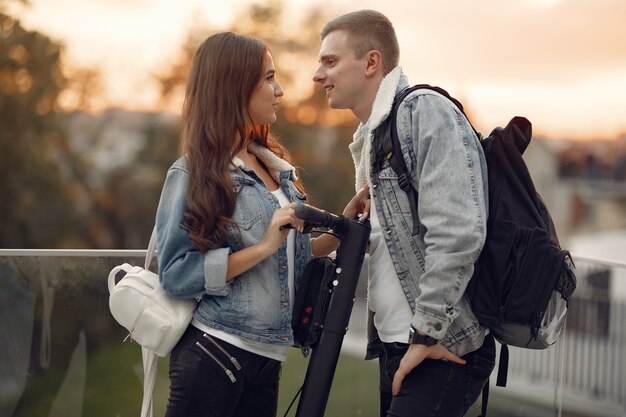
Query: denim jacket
point(447, 168)
point(254, 305)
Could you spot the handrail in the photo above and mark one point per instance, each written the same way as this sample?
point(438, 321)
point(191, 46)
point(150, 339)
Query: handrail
point(599, 260)
point(142, 252)
point(108, 253)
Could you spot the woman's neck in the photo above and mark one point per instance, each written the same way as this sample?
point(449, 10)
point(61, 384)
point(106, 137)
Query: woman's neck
point(251, 162)
point(246, 157)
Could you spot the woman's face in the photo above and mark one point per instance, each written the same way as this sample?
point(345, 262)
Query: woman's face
point(264, 99)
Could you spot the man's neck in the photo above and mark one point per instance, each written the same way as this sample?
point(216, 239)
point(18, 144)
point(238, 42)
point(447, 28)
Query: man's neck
point(364, 110)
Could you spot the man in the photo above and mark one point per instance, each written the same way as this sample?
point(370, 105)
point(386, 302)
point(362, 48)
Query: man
point(434, 356)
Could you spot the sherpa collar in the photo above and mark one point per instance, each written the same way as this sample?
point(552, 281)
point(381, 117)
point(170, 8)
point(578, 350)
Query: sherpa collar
point(362, 138)
point(274, 164)
point(385, 95)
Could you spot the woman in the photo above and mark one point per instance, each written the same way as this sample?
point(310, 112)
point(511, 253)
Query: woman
point(220, 238)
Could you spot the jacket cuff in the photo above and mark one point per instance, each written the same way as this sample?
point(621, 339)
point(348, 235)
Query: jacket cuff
point(215, 270)
point(432, 323)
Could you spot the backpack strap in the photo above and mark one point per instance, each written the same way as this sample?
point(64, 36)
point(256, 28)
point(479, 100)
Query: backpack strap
point(387, 145)
point(485, 400)
point(397, 162)
point(152, 248)
point(503, 366)
point(150, 368)
point(150, 359)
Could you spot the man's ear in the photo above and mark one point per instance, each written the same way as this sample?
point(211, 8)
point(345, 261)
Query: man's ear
point(374, 63)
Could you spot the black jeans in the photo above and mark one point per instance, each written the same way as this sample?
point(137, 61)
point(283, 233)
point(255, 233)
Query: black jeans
point(201, 387)
point(435, 388)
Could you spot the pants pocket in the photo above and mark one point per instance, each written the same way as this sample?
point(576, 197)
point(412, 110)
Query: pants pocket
point(230, 357)
point(393, 356)
point(480, 369)
point(214, 355)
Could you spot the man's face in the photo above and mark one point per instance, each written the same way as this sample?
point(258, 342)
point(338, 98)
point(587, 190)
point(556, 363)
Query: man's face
point(340, 73)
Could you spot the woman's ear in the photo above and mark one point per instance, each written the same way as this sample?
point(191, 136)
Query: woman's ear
point(374, 63)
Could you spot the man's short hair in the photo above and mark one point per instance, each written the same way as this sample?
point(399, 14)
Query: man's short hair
point(368, 30)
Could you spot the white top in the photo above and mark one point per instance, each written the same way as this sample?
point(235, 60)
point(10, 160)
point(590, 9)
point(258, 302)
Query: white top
point(267, 350)
point(386, 297)
point(283, 200)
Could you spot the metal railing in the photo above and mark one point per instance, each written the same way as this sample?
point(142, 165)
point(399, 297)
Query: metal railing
point(589, 360)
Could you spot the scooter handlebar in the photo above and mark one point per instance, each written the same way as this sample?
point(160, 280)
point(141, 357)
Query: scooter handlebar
point(314, 217)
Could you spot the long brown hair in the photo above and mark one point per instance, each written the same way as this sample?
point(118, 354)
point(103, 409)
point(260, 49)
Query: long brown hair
point(225, 71)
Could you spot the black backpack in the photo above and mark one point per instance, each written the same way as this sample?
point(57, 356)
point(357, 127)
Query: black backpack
point(522, 280)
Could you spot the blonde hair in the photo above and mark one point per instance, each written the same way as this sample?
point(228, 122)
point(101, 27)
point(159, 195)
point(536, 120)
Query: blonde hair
point(368, 30)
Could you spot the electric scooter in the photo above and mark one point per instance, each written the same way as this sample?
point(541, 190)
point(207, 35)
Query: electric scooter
point(354, 237)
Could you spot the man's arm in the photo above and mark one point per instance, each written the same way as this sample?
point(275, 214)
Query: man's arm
point(451, 206)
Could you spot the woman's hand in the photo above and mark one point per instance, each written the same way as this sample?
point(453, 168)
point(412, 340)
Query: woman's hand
point(359, 204)
point(242, 260)
point(276, 233)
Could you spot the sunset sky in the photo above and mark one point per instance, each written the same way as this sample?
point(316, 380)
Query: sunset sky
point(561, 63)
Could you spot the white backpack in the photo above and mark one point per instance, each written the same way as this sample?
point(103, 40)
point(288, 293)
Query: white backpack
point(153, 319)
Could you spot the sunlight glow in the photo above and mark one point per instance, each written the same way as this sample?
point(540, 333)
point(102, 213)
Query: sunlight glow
point(570, 85)
point(593, 109)
point(546, 3)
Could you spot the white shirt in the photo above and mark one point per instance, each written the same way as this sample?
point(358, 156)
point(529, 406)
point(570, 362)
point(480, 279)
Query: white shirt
point(386, 297)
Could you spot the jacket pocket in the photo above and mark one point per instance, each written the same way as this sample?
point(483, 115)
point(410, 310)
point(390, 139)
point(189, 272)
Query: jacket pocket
point(246, 228)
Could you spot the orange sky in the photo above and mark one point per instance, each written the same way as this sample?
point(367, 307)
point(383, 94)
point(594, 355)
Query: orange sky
point(561, 63)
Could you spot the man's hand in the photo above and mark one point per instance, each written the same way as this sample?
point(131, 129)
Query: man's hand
point(359, 204)
point(415, 355)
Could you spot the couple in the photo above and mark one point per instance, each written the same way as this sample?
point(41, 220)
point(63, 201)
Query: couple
point(220, 240)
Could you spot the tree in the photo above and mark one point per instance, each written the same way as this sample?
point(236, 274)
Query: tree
point(36, 203)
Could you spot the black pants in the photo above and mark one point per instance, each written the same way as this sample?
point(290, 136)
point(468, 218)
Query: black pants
point(435, 388)
point(200, 386)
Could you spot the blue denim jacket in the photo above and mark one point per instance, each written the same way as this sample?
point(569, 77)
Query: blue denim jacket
point(255, 305)
point(448, 169)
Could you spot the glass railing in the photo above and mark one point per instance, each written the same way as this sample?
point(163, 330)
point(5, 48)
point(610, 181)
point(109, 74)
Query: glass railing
point(63, 354)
